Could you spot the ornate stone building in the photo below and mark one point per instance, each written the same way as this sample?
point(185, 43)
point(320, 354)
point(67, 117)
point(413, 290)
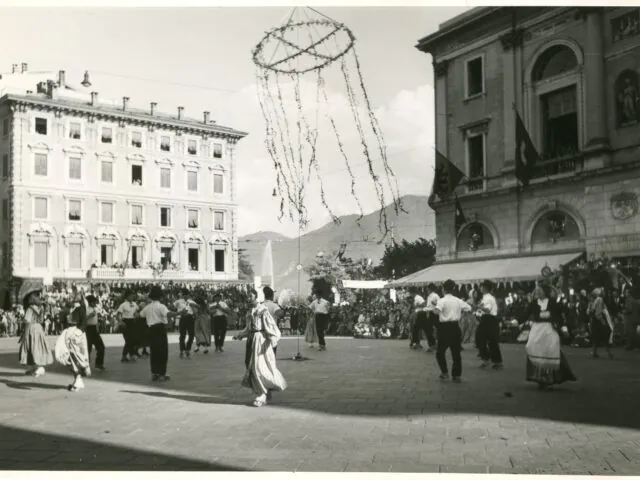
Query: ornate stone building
point(573, 76)
point(98, 189)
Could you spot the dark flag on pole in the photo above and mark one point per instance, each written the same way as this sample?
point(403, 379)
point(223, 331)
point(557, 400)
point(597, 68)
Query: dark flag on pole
point(445, 179)
point(526, 154)
point(460, 218)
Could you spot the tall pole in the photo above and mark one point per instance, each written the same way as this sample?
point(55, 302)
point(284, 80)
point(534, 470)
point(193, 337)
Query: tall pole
point(514, 46)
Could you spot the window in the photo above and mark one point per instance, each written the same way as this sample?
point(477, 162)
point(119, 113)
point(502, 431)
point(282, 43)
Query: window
point(41, 208)
point(475, 149)
point(165, 256)
point(5, 127)
point(41, 164)
point(106, 255)
point(192, 147)
point(136, 175)
point(41, 126)
point(136, 139)
point(554, 61)
point(74, 130)
point(218, 183)
point(475, 77)
point(107, 135)
point(192, 218)
point(165, 217)
point(218, 260)
point(75, 168)
point(75, 210)
point(554, 226)
point(136, 214)
point(106, 212)
point(136, 255)
point(5, 210)
point(5, 255)
point(165, 178)
point(218, 221)
point(41, 254)
point(165, 143)
point(217, 150)
point(560, 123)
point(475, 236)
point(192, 181)
point(75, 256)
point(106, 172)
point(193, 255)
point(5, 165)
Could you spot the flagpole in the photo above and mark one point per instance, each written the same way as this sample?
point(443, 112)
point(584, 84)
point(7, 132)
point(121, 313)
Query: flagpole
point(515, 97)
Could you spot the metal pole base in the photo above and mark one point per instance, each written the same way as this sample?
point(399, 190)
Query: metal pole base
point(299, 358)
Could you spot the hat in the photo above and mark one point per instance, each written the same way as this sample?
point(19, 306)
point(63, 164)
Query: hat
point(28, 287)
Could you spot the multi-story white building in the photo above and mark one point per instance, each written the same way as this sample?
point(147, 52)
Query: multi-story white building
point(100, 190)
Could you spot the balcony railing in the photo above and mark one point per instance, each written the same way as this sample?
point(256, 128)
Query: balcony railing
point(150, 274)
point(475, 185)
point(568, 163)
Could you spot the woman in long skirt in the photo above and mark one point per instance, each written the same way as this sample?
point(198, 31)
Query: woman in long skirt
point(34, 349)
point(469, 323)
point(202, 327)
point(310, 333)
point(600, 324)
point(72, 351)
point(546, 364)
point(262, 375)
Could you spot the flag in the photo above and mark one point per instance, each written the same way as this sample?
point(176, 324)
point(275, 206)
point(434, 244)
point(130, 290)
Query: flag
point(460, 218)
point(445, 179)
point(526, 153)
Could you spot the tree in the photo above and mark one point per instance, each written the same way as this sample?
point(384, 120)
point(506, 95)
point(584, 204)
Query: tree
point(244, 266)
point(329, 270)
point(404, 258)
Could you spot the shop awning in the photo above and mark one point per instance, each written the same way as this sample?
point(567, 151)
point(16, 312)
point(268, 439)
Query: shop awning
point(516, 269)
point(364, 284)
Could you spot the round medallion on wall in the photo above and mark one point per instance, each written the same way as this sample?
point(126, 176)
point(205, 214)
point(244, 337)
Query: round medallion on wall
point(624, 205)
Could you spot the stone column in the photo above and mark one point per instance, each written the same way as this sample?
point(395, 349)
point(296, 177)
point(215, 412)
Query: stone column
point(441, 124)
point(511, 81)
point(594, 83)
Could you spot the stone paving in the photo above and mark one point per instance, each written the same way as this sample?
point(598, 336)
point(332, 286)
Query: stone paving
point(363, 405)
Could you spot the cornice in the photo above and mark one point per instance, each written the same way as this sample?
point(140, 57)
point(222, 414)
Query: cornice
point(21, 103)
point(513, 39)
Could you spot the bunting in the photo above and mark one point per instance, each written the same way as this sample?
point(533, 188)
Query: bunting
point(526, 154)
point(445, 179)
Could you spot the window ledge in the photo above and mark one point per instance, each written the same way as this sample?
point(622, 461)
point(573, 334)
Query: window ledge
point(475, 96)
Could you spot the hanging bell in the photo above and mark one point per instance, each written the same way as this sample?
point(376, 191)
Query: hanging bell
point(86, 82)
point(275, 193)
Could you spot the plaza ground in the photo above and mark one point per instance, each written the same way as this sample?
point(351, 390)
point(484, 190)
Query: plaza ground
point(363, 405)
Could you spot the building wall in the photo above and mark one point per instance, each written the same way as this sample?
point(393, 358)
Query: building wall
point(610, 154)
point(59, 189)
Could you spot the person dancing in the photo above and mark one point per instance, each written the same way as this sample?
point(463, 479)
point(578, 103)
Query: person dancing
point(274, 309)
point(202, 327)
point(92, 333)
point(220, 312)
point(262, 374)
point(546, 363)
point(187, 322)
point(72, 349)
point(489, 329)
point(34, 349)
point(126, 315)
point(321, 308)
point(600, 324)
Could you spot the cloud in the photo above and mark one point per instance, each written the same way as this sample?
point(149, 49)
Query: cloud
point(406, 123)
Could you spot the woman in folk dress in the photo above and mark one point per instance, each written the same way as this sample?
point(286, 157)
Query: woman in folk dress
point(600, 324)
point(34, 349)
point(262, 375)
point(72, 351)
point(311, 333)
point(546, 364)
point(202, 326)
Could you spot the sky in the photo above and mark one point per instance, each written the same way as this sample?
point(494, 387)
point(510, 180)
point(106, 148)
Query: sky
point(200, 58)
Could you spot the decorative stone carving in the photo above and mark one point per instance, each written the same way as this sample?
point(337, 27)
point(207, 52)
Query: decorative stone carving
point(627, 92)
point(624, 205)
point(625, 26)
point(513, 39)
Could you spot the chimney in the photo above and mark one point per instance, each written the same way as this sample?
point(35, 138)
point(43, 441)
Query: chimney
point(125, 102)
point(206, 117)
point(61, 78)
point(94, 98)
point(14, 68)
point(24, 67)
point(180, 110)
point(153, 108)
point(52, 89)
point(29, 92)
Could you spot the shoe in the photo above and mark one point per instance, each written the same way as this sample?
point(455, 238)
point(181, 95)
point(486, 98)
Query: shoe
point(100, 367)
point(221, 350)
point(206, 351)
point(498, 366)
point(322, 348)
point(145, 354)
point(196, 350)
point(155, 378)
point(181, 354)
point(39, 372)
point(456, 380)
point(260, 401)
point(164, 378)
point(124, 360)
point(269, 396)
point(133, 359)
point(429, 350)
point(444, 376)
point(188, 354)
point(485, 364)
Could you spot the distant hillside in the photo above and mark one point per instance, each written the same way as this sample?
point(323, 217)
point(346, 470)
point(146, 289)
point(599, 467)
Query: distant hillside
point(361, 240)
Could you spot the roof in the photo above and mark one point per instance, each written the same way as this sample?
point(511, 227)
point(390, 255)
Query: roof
point(454, 24)
point(515, 269)
point(129, 114)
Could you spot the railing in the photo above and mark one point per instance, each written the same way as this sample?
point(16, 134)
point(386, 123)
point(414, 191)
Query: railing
point(149, 274)
point(566, 164)
point(475, 185)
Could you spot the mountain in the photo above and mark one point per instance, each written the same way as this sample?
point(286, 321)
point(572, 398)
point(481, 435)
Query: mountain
point(362, 240)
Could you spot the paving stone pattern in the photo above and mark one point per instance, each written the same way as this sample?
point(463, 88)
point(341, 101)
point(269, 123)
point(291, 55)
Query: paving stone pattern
point(361, 406)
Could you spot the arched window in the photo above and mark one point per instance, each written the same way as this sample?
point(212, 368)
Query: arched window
point(474, 237)
point(554, 226)
point(627, 90)
point(555, 61)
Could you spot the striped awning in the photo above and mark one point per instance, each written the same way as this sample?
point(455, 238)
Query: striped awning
point(516, 269)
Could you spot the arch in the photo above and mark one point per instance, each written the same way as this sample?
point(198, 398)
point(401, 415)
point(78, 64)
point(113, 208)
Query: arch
point(548, 46)
point(487, 231)
point(627, 98)
point(550, 208)
point(193, 238)
point(554, 61)
point(75, 232)
point(107, 233)
point(165, 236)
point(220, 241)
point(138, 234)
point(42, 230)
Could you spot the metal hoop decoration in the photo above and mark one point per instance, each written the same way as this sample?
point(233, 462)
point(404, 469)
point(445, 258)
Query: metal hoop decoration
point(277, 35)
point(546, 271)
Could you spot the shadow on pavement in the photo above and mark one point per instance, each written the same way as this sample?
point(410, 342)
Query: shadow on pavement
point(36, 451)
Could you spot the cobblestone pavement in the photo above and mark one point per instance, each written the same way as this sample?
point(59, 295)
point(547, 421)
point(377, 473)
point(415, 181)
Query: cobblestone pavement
point(363, 405)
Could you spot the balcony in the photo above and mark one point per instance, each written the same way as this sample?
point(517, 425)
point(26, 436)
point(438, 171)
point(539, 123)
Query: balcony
point(154, 275)
point(475, 185)
point(565, 164)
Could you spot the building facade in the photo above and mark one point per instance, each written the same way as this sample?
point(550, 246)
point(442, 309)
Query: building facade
point(99, 190)
point(572, 74)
